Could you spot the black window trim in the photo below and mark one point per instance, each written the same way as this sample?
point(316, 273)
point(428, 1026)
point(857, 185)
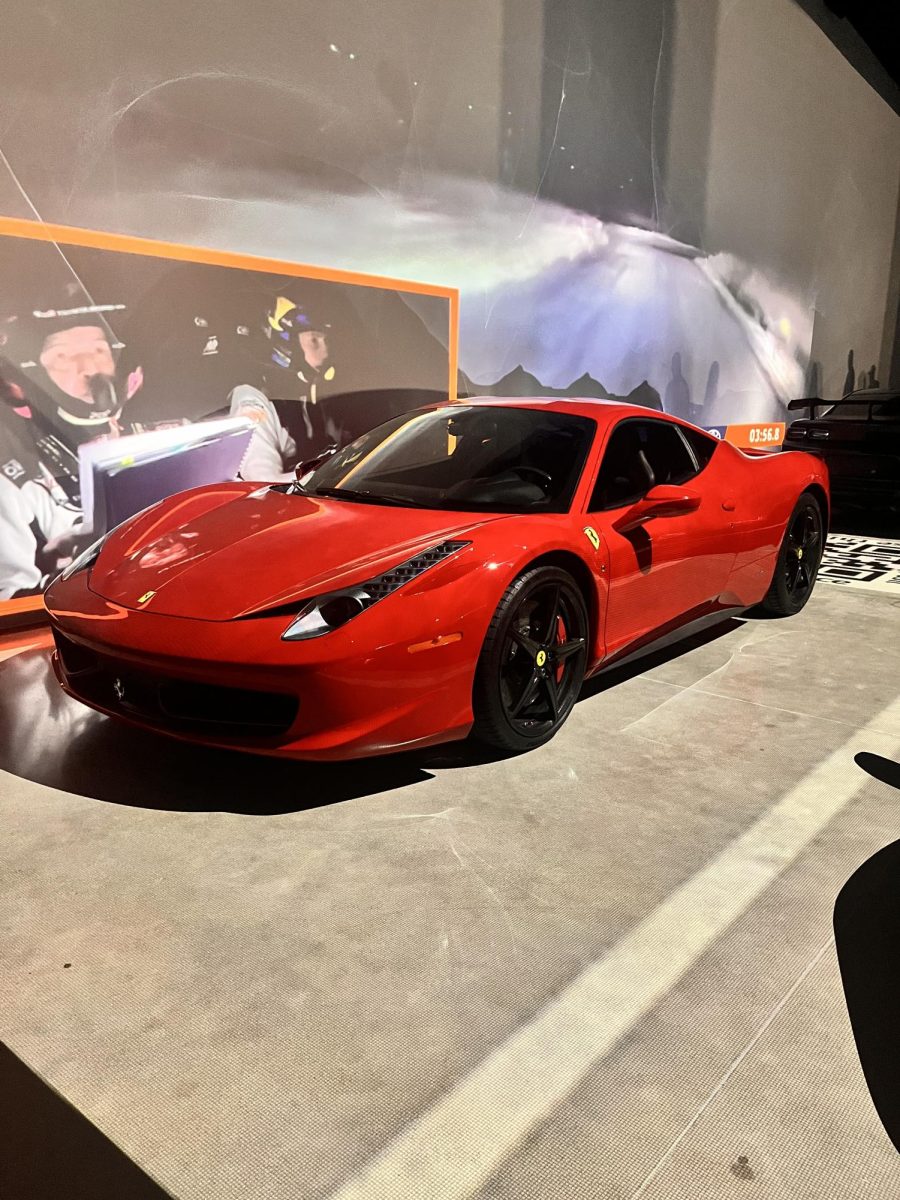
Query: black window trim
point(708, 437)
point(690, 449)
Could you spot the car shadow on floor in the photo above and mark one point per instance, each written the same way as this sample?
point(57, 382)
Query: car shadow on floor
point(466, 754)
point(647, 660)
point(50, 739)
point(49, 1150)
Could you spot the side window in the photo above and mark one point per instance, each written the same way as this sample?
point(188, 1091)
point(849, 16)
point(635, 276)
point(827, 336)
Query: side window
point(639, 455)
point(624, 474)
point(703, 446)
point(670, 460)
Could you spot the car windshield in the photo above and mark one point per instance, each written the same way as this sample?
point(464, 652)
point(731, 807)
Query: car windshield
point(487, 458)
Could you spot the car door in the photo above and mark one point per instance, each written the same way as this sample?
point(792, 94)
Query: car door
point(671, 567)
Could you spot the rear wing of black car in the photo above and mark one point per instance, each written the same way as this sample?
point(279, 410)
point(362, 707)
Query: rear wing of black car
point(855, 399)
point(810, 402)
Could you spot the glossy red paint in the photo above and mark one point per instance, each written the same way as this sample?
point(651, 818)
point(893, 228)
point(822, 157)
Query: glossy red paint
point(184, 593)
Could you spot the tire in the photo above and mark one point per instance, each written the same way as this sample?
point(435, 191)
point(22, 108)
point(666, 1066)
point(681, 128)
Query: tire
point(798, 559)
point(532, 663)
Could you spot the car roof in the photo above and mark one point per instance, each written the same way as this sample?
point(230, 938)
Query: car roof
point(604, 412)
point(868, 394)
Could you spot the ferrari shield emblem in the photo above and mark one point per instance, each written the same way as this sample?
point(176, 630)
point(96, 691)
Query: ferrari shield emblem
point(146, 596)
point(592, 536)
point(541, 657)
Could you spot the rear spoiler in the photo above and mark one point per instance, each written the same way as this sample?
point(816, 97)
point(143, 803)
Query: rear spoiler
point(857, 399)
point(810, 402)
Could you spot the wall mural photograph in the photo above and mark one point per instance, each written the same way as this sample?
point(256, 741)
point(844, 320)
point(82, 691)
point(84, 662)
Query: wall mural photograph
point(126, 377)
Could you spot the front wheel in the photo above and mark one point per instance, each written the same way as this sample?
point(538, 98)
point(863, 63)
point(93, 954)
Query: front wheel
point(798, 559)
point(533, 661)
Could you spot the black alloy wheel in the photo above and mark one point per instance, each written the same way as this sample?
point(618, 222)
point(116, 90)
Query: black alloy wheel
point(533, 661)
point(798, 559)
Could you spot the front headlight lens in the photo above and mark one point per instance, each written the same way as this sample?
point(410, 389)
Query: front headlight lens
point(326, 613)
point(86, 558)
point(331, 611)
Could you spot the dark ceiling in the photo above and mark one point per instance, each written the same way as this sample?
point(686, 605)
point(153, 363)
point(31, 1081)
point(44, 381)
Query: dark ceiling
point(876, 24)
point(864, 32)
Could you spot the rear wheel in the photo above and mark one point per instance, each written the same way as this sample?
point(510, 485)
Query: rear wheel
point(533, 661)
point(798, 559)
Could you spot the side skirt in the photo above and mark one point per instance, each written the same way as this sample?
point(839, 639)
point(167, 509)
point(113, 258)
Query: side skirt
point(665, 640)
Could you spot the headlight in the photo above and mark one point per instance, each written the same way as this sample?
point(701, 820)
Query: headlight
point(86, 558)
point(331, 611)
point(326, 613)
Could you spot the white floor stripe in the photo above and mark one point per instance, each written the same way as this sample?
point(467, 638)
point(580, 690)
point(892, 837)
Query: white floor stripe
point(454, 1146)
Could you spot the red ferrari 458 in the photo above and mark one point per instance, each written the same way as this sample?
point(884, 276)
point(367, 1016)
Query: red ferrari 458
point(457, 570)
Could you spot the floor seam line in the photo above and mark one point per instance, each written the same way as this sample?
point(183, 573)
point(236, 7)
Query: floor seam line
point(733, 1067)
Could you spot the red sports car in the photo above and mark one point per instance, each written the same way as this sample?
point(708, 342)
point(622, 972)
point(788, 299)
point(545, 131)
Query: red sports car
point(457, 570)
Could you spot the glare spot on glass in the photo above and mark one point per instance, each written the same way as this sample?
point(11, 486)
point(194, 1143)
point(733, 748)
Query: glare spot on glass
point(470, 107)
point(333, 48)
point(351, 56)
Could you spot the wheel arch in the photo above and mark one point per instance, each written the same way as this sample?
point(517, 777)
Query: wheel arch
point(581, 573)
point(821, 496)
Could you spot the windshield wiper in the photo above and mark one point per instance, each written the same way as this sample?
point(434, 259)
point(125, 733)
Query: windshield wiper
point(342, 493)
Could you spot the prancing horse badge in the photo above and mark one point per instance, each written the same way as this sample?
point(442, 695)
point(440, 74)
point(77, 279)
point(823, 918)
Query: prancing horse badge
point(592, 536)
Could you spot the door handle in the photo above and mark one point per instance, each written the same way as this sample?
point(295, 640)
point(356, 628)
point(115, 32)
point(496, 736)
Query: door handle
point(728, 505)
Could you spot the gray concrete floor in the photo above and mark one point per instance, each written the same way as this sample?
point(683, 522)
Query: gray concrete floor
point(433, 977)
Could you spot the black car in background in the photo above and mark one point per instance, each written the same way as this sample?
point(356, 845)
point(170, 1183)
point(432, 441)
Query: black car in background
point(859, 439)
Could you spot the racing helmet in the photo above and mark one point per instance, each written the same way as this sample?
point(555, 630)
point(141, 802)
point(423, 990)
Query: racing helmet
point(286, 319)
point(26, 333)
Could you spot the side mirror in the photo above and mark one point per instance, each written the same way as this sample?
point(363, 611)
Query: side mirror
point(303, 468)
point(664, 500)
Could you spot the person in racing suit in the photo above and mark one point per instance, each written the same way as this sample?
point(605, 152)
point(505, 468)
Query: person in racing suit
point(58, 390)
point(291, 421)
point(33, 529)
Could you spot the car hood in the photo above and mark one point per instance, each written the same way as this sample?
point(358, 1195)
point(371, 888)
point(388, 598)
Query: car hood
point(219, 554)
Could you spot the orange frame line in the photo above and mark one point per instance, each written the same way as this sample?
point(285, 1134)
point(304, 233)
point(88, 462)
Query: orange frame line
point(123, 243)
point(25, 604)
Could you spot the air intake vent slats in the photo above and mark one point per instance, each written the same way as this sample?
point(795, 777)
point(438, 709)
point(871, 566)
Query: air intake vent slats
point(384, 584)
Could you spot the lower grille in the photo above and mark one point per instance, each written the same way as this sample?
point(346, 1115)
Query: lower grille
point(173, 703)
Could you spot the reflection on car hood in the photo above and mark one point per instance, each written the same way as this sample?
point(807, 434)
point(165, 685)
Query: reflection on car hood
point(221, 553)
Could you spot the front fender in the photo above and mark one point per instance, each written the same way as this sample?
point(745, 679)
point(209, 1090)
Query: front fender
point(508, 548)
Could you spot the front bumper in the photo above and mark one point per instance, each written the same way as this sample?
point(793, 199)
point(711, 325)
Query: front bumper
point(360, 690)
